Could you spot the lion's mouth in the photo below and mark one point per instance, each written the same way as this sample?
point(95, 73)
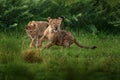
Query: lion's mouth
point(55, 31)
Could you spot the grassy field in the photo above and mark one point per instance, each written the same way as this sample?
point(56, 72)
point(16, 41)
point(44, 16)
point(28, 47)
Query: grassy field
point(19, 62)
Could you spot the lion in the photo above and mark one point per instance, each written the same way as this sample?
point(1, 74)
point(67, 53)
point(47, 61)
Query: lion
point(59, 37)
point(35, 30)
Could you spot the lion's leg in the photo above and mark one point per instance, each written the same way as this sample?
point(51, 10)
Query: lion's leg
point(49, 45)
point(40, 41)
point(32, 42)
point(66, 44)
point(36, 45)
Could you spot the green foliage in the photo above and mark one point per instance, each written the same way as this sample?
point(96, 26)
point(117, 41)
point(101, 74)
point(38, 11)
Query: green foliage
point(12, 13)
point(103, 14)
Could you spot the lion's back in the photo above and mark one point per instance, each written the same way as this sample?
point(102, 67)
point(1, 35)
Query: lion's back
point(62, 37)
point(38, 26)
point(41, 27)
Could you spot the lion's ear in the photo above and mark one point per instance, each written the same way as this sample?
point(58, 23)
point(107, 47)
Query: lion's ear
point(49, 18)
point(26, 27)
point(60, 18)
point(33, 24)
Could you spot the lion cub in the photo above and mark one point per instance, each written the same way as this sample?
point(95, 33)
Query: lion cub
point(59, 37)
point(35, 30)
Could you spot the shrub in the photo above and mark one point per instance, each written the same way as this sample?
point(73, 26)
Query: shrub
point(32, 57)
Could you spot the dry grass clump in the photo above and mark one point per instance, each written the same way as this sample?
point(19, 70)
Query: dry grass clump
point(31, 56)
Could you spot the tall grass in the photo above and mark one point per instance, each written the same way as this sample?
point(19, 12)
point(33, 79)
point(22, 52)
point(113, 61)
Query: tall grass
point(58, 63)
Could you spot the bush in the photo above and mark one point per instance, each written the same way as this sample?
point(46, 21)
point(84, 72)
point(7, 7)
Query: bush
point(32, 57)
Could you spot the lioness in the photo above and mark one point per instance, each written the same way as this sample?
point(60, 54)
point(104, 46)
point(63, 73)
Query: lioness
point(35, 30)
point(59, 37)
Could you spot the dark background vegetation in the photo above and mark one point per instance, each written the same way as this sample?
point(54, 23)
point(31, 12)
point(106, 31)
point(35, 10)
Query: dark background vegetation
point(91, 15)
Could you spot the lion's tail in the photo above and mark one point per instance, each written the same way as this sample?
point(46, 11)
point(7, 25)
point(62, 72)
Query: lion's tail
point(81, 46)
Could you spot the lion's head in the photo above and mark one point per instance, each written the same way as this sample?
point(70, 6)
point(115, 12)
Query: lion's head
point(54, 24)
point(31, 28)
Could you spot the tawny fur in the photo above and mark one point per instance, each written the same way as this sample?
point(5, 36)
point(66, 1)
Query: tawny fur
point(35, 30)
point(59, 37)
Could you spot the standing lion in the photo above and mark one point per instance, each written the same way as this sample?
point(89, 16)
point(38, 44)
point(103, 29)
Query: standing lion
point(35, 30)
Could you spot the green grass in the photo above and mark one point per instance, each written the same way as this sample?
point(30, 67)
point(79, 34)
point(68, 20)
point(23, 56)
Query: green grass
point(59, 63)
